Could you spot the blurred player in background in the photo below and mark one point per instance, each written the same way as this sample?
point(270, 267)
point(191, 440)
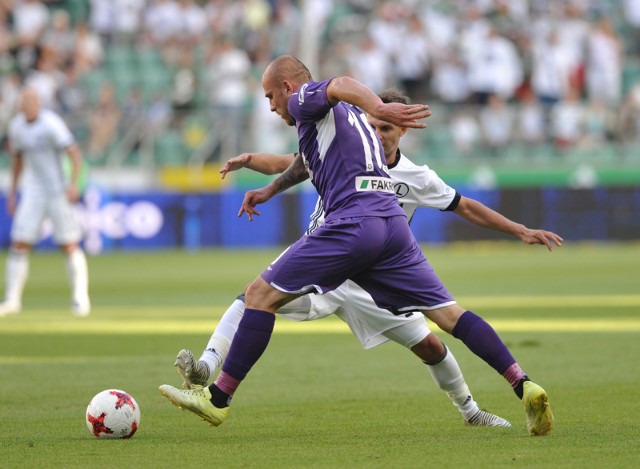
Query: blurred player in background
point(39, 141)
point(362, 239)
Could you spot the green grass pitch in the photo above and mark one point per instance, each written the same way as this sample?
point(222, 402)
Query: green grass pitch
point(316, 398)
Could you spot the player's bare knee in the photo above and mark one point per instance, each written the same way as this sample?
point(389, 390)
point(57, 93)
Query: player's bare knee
point(20, 247)
point(446, 317)
point(430, 349)
point(261, 295)
point(68, 248)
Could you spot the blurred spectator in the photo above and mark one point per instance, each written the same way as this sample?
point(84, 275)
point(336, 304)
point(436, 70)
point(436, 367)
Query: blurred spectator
point(161, 22)
point(370, 65)
point(191, 25)
point(465, 131)
point(598, 125)
point(9, 95)
point(530, 123)
point(132, 109)
point(604, 66)
point(103, 121)
point(30, 18)
point(496, 121)
point(46, 79)
point(567, 121)
point(59, 38)
point(225, 18)
point(473, 30)
point(411, 59)
point(440, 28)
point(72, 99)
point(572, 31)
point(88, 49)
point(229, 69)
point(284, 36)
point(158, 114)
point(631, 9)
point(102, 18)
point(7, 60)
point(494, 69)
point(630, 115)
point(550, 75)
point(449, 81)
point(127, 19)
point(184, 89)
point(256, 16)
point(385, 29)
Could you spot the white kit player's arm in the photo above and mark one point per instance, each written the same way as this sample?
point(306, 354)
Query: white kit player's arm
point(481, 215)
point(294, 174)
point(265, 163)
point(353, 92)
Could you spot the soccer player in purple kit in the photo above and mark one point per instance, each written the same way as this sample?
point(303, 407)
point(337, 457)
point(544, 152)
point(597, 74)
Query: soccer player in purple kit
point(365, 237)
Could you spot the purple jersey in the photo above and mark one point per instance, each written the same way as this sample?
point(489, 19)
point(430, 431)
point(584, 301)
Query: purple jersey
point(343, 156)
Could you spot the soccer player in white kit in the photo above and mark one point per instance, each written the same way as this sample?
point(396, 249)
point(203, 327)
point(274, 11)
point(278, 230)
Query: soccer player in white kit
point(416, 186)
point(39, 140)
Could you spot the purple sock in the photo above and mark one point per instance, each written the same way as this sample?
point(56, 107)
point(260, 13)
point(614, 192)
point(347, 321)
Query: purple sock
point(250, 341)
point(483, 340)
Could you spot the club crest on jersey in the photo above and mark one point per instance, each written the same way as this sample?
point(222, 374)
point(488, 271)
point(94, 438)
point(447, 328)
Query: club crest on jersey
point(374, 184)
point(401, 189)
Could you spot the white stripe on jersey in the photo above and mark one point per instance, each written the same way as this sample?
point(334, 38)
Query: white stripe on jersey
point(374, 138)
point(317, 217)
point(326, 128)
point(368, 159)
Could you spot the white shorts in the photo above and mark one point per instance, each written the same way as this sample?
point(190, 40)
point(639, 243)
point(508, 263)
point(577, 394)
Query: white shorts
point(371, 325)
point(34, 208)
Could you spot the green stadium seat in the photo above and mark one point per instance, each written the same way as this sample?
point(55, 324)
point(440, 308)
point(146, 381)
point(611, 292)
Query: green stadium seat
point(630, 75)
point(92, 82)
point(170, 150)
point(118, 56)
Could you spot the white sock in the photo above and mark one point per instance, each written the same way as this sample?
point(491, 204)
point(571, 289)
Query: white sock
point(78, 276)
point(219, 343)
point(448, 377)
point(17, 270)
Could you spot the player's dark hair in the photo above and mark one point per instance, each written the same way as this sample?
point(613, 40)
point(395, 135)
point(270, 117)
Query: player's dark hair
point(393, 95)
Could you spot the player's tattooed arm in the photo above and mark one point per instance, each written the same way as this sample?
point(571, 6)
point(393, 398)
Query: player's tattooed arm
point(294, 174)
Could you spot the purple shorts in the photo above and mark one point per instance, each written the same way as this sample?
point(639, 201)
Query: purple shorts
point(379, 254)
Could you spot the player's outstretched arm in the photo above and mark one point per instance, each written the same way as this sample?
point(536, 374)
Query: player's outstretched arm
point(481, 215)
point(294, 174)
point(265, 163)
point(353, 92)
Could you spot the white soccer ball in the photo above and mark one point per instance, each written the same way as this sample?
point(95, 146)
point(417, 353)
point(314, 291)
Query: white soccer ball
point(113, 414)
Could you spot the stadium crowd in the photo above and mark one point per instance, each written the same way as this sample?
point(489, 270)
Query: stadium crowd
point(563, 74)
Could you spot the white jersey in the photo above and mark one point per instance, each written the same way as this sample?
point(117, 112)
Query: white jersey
point(415, 186)
point(42, 144)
